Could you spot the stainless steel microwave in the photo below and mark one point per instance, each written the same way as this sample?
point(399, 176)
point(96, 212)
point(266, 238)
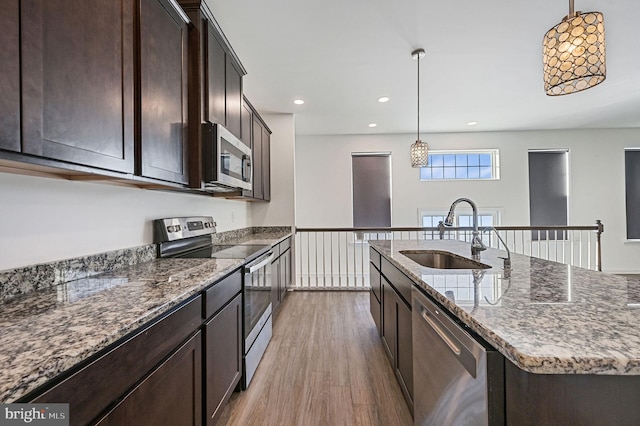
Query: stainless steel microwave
point(227, 160)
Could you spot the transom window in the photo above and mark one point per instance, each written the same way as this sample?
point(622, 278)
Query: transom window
point(485, 218)
point(451, 165)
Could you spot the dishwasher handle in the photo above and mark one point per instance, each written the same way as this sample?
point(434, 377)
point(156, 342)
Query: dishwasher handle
point(464, 355)
point(261, 263)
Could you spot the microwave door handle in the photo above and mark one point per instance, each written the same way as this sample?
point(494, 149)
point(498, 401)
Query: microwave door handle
point(246, 169)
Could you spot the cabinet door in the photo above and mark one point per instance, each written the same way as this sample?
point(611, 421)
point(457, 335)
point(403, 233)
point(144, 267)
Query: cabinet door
point(163, 92)
point(233, 98)
point(10, 76)
point(404, 350)
point(247, 124)
point(170, 395)
point(77, 81)
point(257, 160)
point(223, 357)
point(389, 320)
point(215, 79)
point(266, 165)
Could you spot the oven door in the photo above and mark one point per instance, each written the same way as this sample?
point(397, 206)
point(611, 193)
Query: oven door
point(257, 296)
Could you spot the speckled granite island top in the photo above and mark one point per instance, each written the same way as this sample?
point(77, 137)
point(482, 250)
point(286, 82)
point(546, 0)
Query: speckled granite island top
point(48, 331)
point(547, 318)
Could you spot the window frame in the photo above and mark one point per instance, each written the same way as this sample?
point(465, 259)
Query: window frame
point(495, 165)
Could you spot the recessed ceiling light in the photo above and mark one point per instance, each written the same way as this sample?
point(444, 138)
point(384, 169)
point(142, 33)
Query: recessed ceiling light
point(383, 99)
point(472, 123)
point(298, 102)
point(373, 125)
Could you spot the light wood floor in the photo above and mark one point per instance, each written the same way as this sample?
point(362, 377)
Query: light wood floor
point(325, 365)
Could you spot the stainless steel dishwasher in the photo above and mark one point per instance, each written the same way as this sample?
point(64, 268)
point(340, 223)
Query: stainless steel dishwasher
point(458, 379)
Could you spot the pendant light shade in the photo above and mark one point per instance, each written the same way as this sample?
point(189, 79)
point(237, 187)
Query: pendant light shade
point(574, 53)
point(419, 154)
point(419, 149)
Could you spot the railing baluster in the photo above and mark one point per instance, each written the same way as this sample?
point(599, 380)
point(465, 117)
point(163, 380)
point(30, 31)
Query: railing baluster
point(589, 250)
point(339, 262)
point(356, 272)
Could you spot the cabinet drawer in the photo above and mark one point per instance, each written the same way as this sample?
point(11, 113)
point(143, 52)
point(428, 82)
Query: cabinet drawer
point(374, 257)
point(397, 279)
point(221, 292)
point(93, 388)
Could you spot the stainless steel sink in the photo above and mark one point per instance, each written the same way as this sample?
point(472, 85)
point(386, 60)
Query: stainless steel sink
point(442, 260)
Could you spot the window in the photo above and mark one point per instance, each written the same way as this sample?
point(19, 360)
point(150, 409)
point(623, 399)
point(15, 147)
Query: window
point(485, 218)
point(548, 192)
point(452, 165)
point(371, 180)
point(632, 192)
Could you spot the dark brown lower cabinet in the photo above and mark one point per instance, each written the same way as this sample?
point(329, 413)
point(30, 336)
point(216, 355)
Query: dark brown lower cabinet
point(396, 337)
point(280, 273)
point(389, 320)
point(570, 399)
point(92, 389)
point(223, 357)
point(375, 296)
point(170, 395)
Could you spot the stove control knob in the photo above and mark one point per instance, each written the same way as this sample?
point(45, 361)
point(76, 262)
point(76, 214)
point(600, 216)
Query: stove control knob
point(170, 228)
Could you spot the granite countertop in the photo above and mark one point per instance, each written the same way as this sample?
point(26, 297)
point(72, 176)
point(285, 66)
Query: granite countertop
point(49, 330)
point(546, 317)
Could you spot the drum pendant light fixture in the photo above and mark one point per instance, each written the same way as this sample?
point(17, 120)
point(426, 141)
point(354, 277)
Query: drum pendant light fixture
point(573, 53)
point(419, 149)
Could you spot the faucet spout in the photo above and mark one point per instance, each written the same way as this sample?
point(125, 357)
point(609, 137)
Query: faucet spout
point(507, 260)
point(476, 243)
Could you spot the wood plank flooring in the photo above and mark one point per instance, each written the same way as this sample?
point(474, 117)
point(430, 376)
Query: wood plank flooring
point(325, 365)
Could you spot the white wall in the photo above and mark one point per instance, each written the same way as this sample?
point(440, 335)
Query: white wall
point(46, 219)
point(323, 174)
point(281, 210)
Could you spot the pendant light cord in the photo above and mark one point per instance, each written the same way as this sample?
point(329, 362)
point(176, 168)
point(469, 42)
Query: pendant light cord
point(418, 138)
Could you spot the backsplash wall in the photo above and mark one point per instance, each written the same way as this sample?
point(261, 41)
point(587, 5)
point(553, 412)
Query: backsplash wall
point(45, 219)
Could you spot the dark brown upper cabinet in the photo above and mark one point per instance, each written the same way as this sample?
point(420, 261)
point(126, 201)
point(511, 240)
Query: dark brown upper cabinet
point(215, 100)
point(77, 81)
point(266, 164)
point(258, 193)
point(255, 130)
point(223, 83)
point(10, 76)
point(215, 82)
point(163, 92)
point(233, 98)
point(246, 120)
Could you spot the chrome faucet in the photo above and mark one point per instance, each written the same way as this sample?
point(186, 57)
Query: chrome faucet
point(507, 260)
point(476, 243)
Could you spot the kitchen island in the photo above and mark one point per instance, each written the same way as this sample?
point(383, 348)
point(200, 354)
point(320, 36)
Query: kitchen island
point(571, 336)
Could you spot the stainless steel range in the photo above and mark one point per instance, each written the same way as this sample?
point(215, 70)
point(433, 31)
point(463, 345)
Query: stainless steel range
point(191, 237)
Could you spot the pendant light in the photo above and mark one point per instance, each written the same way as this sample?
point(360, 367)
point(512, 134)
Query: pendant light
point(419, 150)
point(574, 53)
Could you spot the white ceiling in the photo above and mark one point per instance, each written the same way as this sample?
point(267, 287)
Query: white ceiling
point(483, 63)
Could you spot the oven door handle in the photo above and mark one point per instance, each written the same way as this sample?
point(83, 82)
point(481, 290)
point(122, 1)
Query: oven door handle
point(261, 264)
